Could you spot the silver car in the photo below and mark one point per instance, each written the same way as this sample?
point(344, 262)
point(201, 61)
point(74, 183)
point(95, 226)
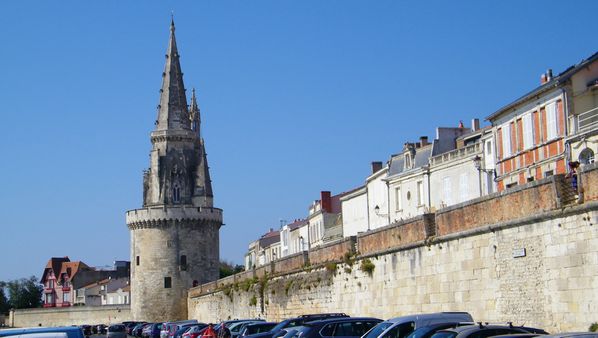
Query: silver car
point(116, 331)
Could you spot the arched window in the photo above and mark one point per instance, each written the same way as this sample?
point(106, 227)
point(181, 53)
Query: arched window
point(176, 193)
point(586, 156)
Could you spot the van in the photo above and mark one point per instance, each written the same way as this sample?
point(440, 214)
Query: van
point(400, 327)
point(70, 331)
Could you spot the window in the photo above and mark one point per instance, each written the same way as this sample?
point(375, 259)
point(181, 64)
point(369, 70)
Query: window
point(420, 193)
point(463, 187)
point(407, 161)
point(137, 260)
point(506, 140)
point(184, 262)
point(167, 282)
point(49, 298)
point(488, 147)
point(548, 173)
point(446, 190)
point(176, 193)
point(66, 297)
point(400, 330)
point(398, 203)
point(51, 283)
point(586, 156)
point(528, 131)
point(551, 122)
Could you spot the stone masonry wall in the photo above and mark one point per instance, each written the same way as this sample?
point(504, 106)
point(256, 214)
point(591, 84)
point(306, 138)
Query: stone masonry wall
point(539, 271)
point(395, 235)
point(589, 181)
point(76, 315)
point(532, 198)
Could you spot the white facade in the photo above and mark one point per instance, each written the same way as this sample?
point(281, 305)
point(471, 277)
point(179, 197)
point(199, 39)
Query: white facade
point(377, 199)
point(354, 208)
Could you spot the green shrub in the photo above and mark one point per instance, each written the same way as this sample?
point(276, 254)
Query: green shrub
point(253, 301)
point(367, 266)
point(593, 327)
point(348, 258)
point(331, 267)
point(348, 270)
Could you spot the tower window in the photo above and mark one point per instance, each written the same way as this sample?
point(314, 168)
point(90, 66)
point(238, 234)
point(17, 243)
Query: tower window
point(167, 282)
point(176, 193)
point(183, 263)
point(137, 260)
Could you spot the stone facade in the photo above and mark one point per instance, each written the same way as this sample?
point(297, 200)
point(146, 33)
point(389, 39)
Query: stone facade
point(175, 236)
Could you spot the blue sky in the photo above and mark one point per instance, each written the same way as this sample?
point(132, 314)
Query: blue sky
point(296, 97)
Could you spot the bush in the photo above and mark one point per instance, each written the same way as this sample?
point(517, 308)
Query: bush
point(331, 267)
point(253, 301)
point(348, 259)
point(593, 327)
point(367, 266)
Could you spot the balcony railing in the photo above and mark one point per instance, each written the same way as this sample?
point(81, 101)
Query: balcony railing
point(587, 120)
point(456, 154)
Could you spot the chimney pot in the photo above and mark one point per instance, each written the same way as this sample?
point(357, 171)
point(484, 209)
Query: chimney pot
point(475, 124)
point(543, 79)
point(325, 202)
point(548, 75)
point(376, 166)
point(423, 141)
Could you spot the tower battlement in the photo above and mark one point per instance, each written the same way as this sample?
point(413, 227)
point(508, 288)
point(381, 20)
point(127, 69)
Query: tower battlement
point(160, 216)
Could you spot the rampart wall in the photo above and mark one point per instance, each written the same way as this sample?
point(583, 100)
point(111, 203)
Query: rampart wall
point(520, 255)
point(75, 315)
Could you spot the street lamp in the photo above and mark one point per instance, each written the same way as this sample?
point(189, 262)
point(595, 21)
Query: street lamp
point(477, 163)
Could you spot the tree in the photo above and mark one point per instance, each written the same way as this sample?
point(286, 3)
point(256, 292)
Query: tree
point(227, 269)
point(4, 305)
point(24, 293)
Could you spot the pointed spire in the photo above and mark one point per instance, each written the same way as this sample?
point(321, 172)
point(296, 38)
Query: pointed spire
point(172, 110)
point(194, 114)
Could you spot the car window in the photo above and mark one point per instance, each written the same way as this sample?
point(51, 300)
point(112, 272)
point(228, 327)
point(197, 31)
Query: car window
point(492, 332)
point(444, 334)
point(327, 330)
point(377, 330)
point(400, 330)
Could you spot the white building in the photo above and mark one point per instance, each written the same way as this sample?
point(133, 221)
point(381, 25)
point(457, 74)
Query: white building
point(290, 238)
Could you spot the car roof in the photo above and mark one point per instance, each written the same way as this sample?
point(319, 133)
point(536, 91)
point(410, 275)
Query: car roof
point(340, 319)
point(439, 315)
point(465, 328)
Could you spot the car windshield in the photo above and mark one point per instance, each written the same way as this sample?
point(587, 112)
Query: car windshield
point(377, 330)
point(444, 334)
point(419, 332)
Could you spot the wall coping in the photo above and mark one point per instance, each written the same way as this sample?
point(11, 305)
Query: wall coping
point(74, 308)
point(506, 192)
point(394, 225)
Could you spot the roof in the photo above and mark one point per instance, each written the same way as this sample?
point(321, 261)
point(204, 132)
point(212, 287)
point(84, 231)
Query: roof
point(555, 82)
point(297, 224)
point(422, 157)
point(96, 283)
point(63, 265)
point(269, 238)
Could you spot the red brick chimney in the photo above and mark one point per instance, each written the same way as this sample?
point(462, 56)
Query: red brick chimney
point(325, 201)
point(376, 166)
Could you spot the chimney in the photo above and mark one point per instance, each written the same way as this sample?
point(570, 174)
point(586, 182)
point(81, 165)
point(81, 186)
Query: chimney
point(325, 202)
point(423, 141)
point(475, 124)
point(543, 79)
point(376, 166)
point(548, 75)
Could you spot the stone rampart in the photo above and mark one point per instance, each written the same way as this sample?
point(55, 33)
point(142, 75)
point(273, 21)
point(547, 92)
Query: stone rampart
point(538, 270)
point(522, 201)
point(76, 315)
point(396, 235)
point(290, 263)
point(332, 252)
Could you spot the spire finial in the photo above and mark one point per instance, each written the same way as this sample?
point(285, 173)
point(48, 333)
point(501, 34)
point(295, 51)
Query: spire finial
point(172, 20)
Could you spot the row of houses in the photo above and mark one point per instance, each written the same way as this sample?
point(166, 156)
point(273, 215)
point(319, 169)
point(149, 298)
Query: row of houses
point(68, 283)
point(531, 138)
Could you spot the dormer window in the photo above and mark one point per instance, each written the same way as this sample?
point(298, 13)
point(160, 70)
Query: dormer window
point(407, 161)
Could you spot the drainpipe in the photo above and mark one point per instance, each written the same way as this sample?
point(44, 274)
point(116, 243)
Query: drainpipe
point(388, 200)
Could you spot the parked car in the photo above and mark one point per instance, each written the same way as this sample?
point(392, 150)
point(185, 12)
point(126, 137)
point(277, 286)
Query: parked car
point(573, 335)
point(194, 331)
point(238, 327)
point(86, 330)
point(71, 331)
point(400, 327)
point(350, 327)
point(138, 329)
point(115, 331)
point(429, 330)
point(153, 330)
point(131, 327)
point(253, 328)
point(479, 331)
point(277, 332)
point(102, 329)
point(181, 329)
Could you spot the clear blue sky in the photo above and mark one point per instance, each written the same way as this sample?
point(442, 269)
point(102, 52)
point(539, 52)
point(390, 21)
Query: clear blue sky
point(296, 97)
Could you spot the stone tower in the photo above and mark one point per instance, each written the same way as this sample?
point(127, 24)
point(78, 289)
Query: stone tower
point(175, 236)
